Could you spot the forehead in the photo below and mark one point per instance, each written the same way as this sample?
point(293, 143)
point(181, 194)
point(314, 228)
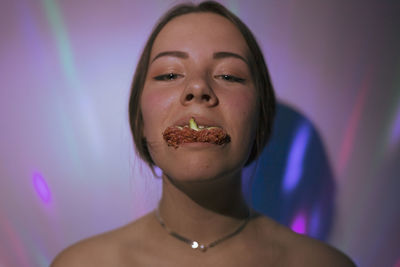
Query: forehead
point(200, 33)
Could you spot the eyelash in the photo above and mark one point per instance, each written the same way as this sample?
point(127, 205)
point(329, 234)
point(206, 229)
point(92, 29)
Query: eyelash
point(173, 76)
point(230, 78)
point(167, 77)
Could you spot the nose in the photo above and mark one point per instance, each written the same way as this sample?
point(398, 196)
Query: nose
point(199, 91)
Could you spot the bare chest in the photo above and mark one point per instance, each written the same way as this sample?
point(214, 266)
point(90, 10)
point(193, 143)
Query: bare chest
point(232, 258)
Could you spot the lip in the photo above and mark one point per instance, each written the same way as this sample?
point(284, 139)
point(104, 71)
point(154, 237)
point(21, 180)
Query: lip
point(200, 145)
point(200, 120)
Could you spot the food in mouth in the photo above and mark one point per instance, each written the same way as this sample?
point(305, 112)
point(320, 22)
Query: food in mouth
point(177, 135)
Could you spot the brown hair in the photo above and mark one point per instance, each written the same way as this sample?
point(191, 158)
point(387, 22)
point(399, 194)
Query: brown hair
point(257, 65)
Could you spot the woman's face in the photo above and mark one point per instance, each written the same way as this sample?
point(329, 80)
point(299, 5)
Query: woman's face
point(198, 68)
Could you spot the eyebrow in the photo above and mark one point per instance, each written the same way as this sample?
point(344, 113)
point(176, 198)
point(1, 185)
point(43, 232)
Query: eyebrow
point(178, 54)
point(219, 55)
point(184, 55)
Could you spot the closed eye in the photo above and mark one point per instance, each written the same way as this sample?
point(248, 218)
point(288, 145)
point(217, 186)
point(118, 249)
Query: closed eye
point(230, 78)
point(167, 77)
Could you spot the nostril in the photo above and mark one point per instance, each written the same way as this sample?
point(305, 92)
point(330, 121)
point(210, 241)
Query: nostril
point(206, 97)
point(189, 97)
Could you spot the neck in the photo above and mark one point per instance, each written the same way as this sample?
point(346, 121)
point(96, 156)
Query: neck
point(203, 210)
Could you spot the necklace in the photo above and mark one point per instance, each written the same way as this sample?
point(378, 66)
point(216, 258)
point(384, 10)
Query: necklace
point(196, 245)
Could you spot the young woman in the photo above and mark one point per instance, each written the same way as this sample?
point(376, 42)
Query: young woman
point(201, 108)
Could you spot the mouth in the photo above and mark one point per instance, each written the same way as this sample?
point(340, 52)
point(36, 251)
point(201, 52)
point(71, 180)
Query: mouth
point(192, 133)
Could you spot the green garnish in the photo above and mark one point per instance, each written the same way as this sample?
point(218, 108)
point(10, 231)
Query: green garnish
point(193, 125)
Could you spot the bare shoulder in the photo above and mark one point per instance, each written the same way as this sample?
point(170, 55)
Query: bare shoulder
point(88, 252)
point(113, 248)
point(312, 252)
point(303, 250)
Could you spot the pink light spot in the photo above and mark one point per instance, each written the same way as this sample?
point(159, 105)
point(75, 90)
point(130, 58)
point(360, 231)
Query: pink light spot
point(352, 125)
point(397, 264)
point(15, 250)
point(299, 224)
point(41, 187)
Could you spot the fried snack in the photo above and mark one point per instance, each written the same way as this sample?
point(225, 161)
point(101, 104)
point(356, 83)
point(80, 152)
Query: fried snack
point(175, 135)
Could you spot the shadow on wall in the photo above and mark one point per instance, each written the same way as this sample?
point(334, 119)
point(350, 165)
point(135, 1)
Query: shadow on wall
point(292, 182)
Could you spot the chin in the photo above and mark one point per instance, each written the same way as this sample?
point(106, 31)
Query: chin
point(199, 168)
point(192, 176)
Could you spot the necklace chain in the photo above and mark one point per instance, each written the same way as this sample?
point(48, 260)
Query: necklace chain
point(195, 244)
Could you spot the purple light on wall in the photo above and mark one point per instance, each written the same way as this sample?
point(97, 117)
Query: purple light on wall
point(299, 224)
point(395, 133)
point(41, 187)
point(158, 171)
point(315, 220)
point(294, 165)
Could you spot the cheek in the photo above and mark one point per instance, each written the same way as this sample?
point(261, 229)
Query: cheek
point(244, 106)
point(244, 116)
point(154, 107)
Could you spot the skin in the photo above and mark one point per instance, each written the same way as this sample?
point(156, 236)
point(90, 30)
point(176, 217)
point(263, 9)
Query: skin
point(201, 196)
